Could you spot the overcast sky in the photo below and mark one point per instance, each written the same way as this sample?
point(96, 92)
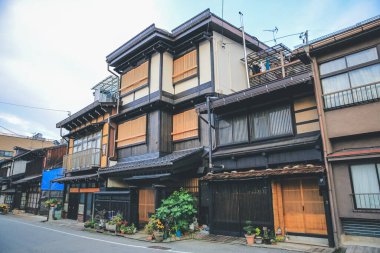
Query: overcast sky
point(53, 52)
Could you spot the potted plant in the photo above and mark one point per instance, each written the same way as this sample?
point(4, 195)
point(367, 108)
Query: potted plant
point(149, 228)
point(258, 238)
point(3, 208)
point(158, 232)
point(266, 238)
point(113, 224)
point(249, 236)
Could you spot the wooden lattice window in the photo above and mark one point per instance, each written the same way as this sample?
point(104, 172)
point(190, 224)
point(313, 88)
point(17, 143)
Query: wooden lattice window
point(185, 66)
point(185, 125)
point(134, 78)
point(132, 132)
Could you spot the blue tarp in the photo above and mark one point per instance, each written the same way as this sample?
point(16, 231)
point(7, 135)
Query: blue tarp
point(49, 175)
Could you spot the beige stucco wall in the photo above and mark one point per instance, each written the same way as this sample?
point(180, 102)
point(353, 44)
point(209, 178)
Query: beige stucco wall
point(229, 70)
point(204, 62)
point(7, 142)
point(116, 182)
point(358, 119)
point(167, 73)
point(188, 84)
point(154, 73)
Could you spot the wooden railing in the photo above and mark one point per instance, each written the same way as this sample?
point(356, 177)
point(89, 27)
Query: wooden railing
point(277, 73)
point(82, 159)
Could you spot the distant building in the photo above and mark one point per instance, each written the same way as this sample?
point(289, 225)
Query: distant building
point(9, 141)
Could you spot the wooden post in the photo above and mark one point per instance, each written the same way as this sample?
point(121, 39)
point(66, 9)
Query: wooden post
point(282, 64)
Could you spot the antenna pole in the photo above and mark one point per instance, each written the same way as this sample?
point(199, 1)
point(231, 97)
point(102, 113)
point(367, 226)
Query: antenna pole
point(245, 49)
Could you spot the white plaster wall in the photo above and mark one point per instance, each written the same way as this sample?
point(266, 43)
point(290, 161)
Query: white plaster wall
point(154, 73)
point(142, 93)
point(204, 62)
point(229, 70)
point(188, 84)
point(116, 183)
point(167, 73)
point(19, 167)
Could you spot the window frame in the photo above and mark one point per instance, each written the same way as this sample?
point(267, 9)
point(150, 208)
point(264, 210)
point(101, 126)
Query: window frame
point(347, 71)
point(198, 136)
point(183, 54)
point(377, 168)
point(250, 111)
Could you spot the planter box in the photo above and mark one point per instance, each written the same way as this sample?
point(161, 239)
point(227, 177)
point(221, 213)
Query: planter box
point(110, 227)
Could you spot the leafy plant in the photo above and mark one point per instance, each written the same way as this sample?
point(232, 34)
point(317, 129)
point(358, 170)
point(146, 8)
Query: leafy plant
point(249, 228)
point(116, 220)
point(257, 231)
point(177, 210)
point(89, 224)
point(52, 202)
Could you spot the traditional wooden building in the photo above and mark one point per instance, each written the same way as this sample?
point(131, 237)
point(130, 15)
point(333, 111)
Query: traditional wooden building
point(346, 66)
point(160, 137)
point(267, 162)
point(90, 139)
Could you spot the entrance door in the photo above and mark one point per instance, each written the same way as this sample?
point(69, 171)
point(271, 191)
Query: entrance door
point(146, 204)
point(73, 206)
point(303, 207)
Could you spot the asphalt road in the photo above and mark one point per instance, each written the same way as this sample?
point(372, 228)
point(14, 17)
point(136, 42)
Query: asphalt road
point(19, 235)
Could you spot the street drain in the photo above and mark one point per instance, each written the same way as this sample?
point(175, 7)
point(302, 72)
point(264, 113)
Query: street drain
point(159, 247)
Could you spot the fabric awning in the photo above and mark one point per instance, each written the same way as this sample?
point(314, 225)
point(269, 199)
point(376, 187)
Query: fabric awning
point(27, 179)
point(252, 174)
point(76, 178)
point(170, 162)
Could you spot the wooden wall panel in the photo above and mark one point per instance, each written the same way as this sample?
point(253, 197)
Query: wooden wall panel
point(135, 78)
point(306, 115)
point(166, 126)
point(310, 127)
point(132, 131)
point(185, 66)
point(185, 125)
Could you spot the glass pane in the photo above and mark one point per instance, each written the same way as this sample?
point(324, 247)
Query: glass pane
point(261, 126)
point(366, 186)
point(335, 83)
point(240, 128)
point(280, 121)
point(363, 76)
point(89, 206)
point(362, 57)
point(332, 66)
point(225, 131)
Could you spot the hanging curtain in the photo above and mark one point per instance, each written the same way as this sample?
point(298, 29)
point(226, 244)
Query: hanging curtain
point(366, 186)
point(332, 66)
point(280, 121)
point(225, 131)
point(240, 128)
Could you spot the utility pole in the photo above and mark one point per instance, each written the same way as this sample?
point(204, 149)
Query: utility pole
point(245, 49)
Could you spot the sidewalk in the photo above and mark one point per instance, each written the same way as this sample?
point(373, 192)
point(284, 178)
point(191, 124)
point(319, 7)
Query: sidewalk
point(78, 226)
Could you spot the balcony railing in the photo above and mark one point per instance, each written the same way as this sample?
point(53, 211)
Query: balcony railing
point(82, 159)
point(277, 73)
point(361, 94)
point(366, 201)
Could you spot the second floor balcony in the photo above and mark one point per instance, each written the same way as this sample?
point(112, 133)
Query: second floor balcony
point(274, 64)
point(82, 160)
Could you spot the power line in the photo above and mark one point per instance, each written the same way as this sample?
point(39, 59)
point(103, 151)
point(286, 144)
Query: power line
point(12, 131)
point(34, 107)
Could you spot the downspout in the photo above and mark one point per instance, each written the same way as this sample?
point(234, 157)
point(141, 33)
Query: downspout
point(208, 99)
point(326, 146)
point(245, 50)
point(117, 112)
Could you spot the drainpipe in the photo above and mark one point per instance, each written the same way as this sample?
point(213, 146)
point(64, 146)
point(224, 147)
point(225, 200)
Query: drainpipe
point(208, 101)
point(326, 146)
point(245, 50)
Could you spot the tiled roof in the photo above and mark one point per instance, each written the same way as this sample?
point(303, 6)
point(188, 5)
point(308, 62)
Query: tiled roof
point(75, 178)
point(164, 161)
point(27, 179)
point(285, 171)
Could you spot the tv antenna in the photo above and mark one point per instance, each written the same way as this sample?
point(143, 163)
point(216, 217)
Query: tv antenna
point(274, 32)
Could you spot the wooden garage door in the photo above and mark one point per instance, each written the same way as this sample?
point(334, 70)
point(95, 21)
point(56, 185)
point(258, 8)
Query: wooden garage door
point(303, 207)
point(146, 204)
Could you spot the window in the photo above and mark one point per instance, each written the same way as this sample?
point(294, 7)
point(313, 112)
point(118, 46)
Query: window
point(185, 125)
point(185, 66)
point(4, 153)
point(366, 186)
point(262, 124)
point(134, 78)
point(353, 85)
point(87, 142)
point(132, 132)
point(233, 129)
point(269, 123)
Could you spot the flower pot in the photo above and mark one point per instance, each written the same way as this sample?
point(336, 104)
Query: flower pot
point(158, 236)
point(111, 227)
point(259, 240)
point(149, 237)
point(178, 233)
point(250, 239)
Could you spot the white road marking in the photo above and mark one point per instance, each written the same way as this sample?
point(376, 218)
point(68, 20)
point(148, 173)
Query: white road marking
point(95, 239)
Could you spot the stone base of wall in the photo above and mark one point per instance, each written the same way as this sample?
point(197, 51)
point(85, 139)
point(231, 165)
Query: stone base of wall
point(80, 218)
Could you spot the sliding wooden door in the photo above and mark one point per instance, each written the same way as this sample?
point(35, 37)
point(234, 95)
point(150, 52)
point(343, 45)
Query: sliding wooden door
point(303, 207)
point(146, 204)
